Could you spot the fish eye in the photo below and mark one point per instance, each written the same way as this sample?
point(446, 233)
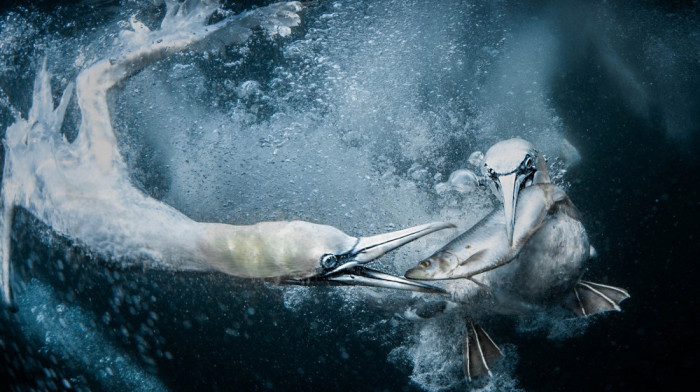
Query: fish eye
point(424, 264)
point(329, 260)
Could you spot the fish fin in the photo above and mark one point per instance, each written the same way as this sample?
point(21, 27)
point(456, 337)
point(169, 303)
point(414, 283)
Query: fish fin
point(475, 258)
point(482, 286)
point(588, 298)
point(479, 263)
point(479, 352)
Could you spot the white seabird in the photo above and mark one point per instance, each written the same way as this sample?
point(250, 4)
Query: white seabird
point(527, 255)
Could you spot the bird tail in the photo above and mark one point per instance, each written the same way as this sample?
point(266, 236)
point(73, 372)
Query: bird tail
point(588, 298)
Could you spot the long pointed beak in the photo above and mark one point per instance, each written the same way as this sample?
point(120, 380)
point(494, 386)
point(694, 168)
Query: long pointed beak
point(363, 276)
point(367, 249)
point(370, 248)
point(510, 186)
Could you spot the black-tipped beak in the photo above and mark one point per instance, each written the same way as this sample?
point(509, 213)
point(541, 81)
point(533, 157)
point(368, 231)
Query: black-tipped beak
point(362, 276)
point(369, 248)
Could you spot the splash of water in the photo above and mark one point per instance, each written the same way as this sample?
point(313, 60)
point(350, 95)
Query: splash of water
point(82, 188)
point(336, 133)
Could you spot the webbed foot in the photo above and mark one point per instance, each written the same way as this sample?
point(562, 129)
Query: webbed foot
point(588, 298)
point(479, 351)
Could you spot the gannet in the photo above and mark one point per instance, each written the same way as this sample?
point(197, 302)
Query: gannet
point(529, 254)
point(82, 189)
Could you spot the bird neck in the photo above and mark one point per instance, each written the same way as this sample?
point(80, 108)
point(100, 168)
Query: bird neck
point(263, 250)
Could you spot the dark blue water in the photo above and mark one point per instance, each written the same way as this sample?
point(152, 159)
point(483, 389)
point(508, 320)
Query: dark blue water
point(627, 99)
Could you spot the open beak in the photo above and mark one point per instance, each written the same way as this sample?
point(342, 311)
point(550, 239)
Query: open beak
point(510, 187)
point(367, 249)
point(363, 276)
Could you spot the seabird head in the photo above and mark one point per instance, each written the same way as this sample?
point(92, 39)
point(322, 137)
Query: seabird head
point(511, 165)
point(308, 253)
point(346, 266)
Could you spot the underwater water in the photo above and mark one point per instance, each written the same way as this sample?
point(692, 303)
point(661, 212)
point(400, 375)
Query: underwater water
point(357, 119)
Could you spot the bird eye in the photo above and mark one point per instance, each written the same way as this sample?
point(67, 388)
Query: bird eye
point(329, 260)
point(492, 173)
point(424, 264)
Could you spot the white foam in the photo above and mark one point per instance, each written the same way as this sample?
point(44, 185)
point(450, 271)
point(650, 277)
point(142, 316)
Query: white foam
point(434, 353)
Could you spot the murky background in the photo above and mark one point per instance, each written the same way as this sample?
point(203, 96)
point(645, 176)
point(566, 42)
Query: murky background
point(356, 120)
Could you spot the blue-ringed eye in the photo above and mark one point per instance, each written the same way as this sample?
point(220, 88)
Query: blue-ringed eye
point(329, 261)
